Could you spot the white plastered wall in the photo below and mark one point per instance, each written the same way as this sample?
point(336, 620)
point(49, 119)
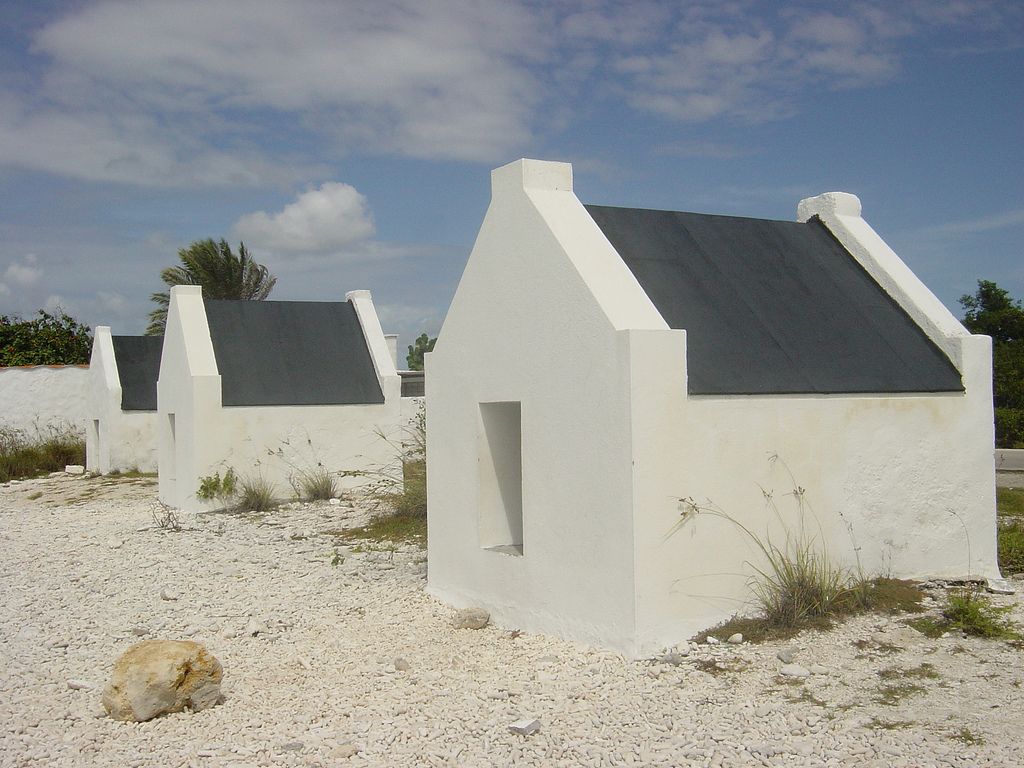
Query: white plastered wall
point(899, 485)
point(116, 440)
point(524, 328)
point(35, 398)
point(548, 316)
point(275, 442)
point(891, 484)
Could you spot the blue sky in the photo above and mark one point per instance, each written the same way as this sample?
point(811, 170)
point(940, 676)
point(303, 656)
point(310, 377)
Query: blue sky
point(349, 144)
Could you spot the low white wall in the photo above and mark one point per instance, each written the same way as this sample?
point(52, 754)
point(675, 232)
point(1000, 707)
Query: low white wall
point(410, 408)
point(1009, 460)
point(35, 397)
point(279, 443)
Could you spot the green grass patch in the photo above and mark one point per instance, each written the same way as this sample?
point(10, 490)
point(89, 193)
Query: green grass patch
point(929, 626)
point(923, 671)
point(869, 648)
point(885, 595)
point(130, 474)
point(759, 629)
point(397, 529)
point(974, 615)
point(1011, 547)
point(889, 725)
point(1010, 501)
point(882, 595)
point(256, 494)
point(891, 695)
point(316, 485)
point(971, 613)
point(967, 736)
point(239, 493)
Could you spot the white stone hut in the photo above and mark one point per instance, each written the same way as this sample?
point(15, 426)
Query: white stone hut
point(598, 365)
point(274, 389)
point(121, 416)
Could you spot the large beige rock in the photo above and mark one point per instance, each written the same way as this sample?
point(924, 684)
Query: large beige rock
point(158, 676)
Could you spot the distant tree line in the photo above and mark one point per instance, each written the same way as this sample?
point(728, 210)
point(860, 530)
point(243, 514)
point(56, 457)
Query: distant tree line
point(993, 312)
point(46, 339)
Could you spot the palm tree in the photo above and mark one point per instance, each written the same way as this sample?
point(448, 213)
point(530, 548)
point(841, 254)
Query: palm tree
point(221, 273)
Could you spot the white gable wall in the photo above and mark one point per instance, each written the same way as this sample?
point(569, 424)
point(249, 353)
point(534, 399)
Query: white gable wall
point(524, 328)
point(189, 426)
point(116, 440)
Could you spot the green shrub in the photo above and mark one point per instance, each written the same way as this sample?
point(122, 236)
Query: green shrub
point(256, 494)
point(45, 340)
point(223, 489)
point(50, 450)
point(973, 614)
point(800, 582)
point(1009, 427)
point(315, 485)
point(240, 493)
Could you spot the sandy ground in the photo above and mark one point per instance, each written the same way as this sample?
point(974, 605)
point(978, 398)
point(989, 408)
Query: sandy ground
point(87, 572)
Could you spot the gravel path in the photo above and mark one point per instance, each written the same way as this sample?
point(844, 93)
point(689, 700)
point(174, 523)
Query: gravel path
point(86, 573)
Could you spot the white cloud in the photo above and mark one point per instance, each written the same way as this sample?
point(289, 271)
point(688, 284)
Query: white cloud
point(989, 223)
point(708, 61)
point(24, 274)
point(103, 145)
point(712, 149)
point(232, 92)
point(113, 303)
point(55, 303)
point(332, 217)
point(425, 78)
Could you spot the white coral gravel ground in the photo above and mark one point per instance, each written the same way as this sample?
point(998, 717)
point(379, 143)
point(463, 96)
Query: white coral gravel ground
point(308, 631)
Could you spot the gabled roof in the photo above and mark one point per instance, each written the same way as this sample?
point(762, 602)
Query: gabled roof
point(138, 366)
point(773, 307)
point(291, 353)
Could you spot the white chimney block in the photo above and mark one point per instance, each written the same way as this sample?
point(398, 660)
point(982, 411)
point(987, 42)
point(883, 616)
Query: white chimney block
point(533, 175)
point(392, 340)
point(829, 203)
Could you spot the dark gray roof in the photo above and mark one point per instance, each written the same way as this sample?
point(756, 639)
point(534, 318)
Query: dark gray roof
point(773, 307)
point(138, 365)
point(291, 353)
